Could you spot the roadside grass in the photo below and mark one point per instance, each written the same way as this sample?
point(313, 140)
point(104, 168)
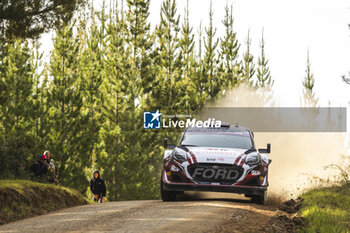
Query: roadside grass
point(326, 209)
point(23, 198)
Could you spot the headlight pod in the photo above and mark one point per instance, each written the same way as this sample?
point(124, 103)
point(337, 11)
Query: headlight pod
point(179, 155)
point(252, 159)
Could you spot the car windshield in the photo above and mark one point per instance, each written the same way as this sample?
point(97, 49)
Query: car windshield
point(239, 140)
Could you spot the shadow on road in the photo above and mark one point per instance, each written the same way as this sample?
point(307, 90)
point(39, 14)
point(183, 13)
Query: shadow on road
point(197, 196)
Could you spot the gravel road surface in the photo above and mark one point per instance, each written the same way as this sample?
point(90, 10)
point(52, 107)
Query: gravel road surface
point(202, 215)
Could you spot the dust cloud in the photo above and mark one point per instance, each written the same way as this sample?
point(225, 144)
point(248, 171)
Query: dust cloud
point(298, 159)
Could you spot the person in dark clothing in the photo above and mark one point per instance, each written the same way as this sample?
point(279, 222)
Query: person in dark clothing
point(39, 168)
point(98, 187)
point(52, 176)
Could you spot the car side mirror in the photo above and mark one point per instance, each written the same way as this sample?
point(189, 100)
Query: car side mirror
point(166, 144)
point(267, 150)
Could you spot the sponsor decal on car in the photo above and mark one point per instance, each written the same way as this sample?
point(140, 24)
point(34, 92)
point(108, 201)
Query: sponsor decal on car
point(211, 159)
point(216, 173)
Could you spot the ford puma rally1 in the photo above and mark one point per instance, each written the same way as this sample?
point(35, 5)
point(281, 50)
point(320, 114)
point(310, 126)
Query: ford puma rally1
point(218, 159)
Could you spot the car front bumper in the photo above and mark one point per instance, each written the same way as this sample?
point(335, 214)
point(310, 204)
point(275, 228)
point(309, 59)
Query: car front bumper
point(240, 189)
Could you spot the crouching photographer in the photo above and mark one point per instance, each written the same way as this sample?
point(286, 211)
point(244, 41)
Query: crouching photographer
point(98, 187)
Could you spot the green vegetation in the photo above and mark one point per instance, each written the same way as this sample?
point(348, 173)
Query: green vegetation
point(28, 19)
point(263, 72)
point(85, 104)
point(21, 199)
point(310, 99)
point(327, 209)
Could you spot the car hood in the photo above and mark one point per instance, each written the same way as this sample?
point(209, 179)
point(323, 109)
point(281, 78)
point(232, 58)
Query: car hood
point(215, 155)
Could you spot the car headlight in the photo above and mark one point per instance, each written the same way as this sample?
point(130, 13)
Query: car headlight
point(179, 155)
point(252, 159)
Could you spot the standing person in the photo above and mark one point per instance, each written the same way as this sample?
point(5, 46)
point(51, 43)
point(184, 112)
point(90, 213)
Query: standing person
point(52, 176)
point(98, 187)
point(39, 168)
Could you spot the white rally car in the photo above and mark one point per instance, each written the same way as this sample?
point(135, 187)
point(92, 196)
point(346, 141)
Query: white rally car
point(222, 159)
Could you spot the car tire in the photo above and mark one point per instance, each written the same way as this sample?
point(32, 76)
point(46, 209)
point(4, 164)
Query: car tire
point(260, 199)
point(167, 195)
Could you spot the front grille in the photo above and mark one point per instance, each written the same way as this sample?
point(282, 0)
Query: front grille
point(215, 173)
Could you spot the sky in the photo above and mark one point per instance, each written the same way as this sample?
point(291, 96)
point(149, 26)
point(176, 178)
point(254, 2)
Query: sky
point(290, 29)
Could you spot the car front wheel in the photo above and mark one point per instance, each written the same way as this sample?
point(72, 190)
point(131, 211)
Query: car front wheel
point(167, 195)
point(260, 199)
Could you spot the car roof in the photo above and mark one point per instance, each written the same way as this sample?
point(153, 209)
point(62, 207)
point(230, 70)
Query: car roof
point(223, 128)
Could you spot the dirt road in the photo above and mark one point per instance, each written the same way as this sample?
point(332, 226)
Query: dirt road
point(201, 215)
